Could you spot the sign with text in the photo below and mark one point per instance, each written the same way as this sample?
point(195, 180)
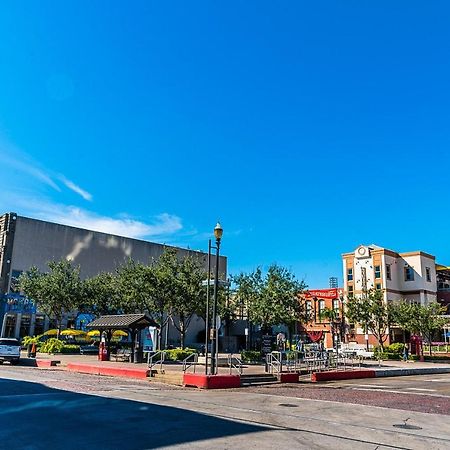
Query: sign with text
point(266, 343)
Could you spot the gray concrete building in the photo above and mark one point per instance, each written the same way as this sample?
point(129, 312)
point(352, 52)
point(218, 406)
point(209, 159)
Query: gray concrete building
point(26, 242)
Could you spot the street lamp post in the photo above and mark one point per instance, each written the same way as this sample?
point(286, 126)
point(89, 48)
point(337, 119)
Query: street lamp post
point(218, 232)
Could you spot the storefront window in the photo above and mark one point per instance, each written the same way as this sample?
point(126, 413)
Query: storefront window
point(25, 325)
point(39, 324)
point(10, 326)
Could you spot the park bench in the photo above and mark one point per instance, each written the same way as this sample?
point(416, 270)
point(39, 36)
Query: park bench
point(88, 350)
point(122, 354)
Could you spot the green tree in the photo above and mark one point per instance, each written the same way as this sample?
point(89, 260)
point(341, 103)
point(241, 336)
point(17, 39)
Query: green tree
point(372, 312)
point(190, 297)
point(402, 315)
point(270, 299)
point(165, 269)
point(56, 292)
point(425, 320)
point(332, 315)
point(101, 295)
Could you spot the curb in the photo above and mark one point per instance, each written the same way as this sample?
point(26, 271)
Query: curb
point(406, 372)
point(342, 375)
point(108, 371)
point(211, 381)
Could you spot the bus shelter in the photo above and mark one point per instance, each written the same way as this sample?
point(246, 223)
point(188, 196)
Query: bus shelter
point(131, 323)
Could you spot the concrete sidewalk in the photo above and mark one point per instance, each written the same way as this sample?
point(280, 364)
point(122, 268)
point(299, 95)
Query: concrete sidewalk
point(381, 369)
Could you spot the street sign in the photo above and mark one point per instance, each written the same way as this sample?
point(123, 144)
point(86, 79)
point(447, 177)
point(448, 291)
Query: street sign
point(266, 344)
point(220, 283)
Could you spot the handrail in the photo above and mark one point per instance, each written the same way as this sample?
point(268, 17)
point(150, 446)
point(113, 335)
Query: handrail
point(234, 363)
point(152, 361)
point(274, 362)
point(187, 363)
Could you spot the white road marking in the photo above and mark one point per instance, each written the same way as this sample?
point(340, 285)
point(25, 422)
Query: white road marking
point(420, 389)
point(379, 386)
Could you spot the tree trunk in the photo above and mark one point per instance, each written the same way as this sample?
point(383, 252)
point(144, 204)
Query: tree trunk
point(182, 331)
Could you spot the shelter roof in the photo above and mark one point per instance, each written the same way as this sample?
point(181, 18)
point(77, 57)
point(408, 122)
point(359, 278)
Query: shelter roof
point(123, 321)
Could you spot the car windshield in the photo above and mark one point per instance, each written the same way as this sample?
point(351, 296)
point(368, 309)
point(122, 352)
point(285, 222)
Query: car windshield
point(9, 342)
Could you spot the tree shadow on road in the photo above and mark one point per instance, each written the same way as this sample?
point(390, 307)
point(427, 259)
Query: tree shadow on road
point(34, 416)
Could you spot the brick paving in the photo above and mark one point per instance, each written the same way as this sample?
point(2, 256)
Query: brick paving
point(407, 402)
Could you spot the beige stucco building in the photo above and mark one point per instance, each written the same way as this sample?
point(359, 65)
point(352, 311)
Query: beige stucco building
point(400, 276)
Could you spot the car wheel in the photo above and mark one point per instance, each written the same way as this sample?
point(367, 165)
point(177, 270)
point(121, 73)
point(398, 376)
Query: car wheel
point(14, 362)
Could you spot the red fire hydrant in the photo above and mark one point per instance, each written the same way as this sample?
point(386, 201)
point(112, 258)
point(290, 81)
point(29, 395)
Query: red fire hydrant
point(102, 352)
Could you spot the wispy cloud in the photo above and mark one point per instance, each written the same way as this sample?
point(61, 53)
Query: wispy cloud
point(21, 163)
point(161, 226)
point(25, 167)
point(24, 191)
point(72, 186)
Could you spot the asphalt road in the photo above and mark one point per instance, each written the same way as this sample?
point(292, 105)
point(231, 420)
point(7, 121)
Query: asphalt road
point(429, 385)
point(42, 409)
point(424, 393)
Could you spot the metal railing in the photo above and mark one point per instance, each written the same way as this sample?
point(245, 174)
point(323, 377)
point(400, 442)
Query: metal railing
point(234, 363)
point(155, 359)
point(190, 361)
point(274, 362)
point(310, 361)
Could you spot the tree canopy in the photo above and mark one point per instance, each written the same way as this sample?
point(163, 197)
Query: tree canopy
point(271, 298)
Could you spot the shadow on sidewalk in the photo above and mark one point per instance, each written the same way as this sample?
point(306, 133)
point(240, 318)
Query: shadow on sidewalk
point(34, 416)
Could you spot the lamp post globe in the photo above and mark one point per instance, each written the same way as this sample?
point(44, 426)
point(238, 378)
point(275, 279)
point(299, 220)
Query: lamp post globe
point(218, 231)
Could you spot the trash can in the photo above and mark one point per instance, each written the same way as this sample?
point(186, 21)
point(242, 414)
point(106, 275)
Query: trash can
point(139, 354)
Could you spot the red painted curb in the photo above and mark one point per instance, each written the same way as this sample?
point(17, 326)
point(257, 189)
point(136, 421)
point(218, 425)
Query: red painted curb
point(342, 375)
point(211, 381)
point(288, 378)
point(110, 371)
point(47, 362)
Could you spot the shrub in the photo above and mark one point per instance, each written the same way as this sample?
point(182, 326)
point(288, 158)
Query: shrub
point(396, 348)
point(250, 356)
point(178, 354)
point(27, 340)
point(52, 345)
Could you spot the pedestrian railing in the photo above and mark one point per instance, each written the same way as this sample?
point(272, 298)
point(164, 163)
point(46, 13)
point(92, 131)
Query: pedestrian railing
point(156, 358)
point(274, 362)
point(234, 363)
point(190, 362)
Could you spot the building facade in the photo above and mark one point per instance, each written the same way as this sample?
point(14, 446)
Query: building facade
point(409, 276)
point(318, 328)
point(26, 242)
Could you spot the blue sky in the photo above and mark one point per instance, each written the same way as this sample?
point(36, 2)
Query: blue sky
point(308, 128)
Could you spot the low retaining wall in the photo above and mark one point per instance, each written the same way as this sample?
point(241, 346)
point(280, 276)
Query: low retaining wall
point(47, 362)
point(109, 371)
point(342, 375)
point(288, 377)
point(412, 371)
point(211, 381)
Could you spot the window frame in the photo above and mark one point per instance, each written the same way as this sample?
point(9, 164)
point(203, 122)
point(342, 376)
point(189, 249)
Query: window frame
point(408, 270)
point(377, 272)
point(350, 274)
point(388, 272)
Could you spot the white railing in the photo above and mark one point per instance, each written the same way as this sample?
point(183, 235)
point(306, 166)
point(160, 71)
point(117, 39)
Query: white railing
point(190, 361)
point(155, 359)
point(274, 362)
point(234, 363)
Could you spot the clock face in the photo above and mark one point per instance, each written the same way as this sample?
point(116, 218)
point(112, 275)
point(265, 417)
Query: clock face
point(361, 251)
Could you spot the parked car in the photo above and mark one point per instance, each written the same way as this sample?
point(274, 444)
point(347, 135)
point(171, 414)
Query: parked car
point(9, 350)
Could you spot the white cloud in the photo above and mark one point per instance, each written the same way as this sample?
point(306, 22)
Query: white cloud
point(72, 186)
point(25, 167)
point(161, 226)
point(16, 160)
